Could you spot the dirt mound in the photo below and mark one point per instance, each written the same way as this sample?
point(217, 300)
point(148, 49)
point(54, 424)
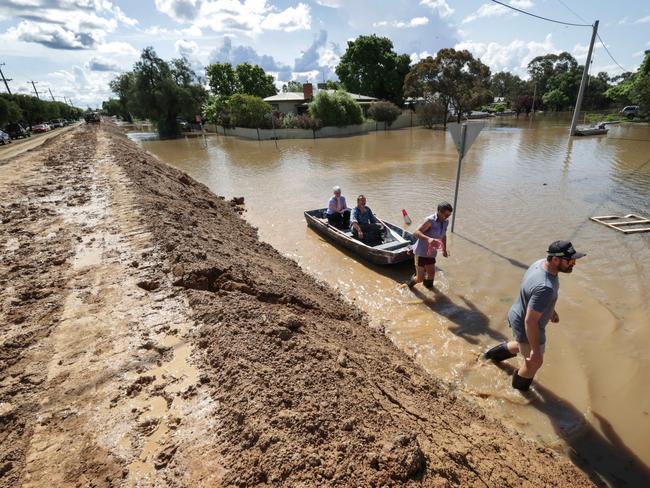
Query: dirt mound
point(308, 393)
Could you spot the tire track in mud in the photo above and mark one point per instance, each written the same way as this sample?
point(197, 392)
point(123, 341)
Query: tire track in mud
point(118, 393)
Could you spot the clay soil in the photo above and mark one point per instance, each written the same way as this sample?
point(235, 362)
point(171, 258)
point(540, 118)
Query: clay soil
point(148, 338)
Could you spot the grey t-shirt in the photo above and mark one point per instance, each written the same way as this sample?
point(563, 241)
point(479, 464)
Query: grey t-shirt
point(539, 291)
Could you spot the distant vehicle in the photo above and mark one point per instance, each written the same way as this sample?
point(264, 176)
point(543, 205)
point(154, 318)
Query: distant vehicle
point(55, 123)
point(40, 128)
point(92, 118)
point(16, 131)
point(4, 138)
point(630, 111)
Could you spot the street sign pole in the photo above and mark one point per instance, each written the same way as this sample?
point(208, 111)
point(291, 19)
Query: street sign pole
point(461, 153)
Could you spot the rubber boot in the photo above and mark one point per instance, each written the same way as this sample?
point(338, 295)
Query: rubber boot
point(499, 353)
point(428, 283)
point(519, 383)
point(411, 282)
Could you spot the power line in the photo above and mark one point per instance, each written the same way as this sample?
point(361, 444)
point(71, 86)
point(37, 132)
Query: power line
point(572, 11)
point(610, 54)
point(539, 16)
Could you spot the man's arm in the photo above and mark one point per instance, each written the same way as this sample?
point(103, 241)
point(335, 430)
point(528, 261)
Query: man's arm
point(372, 218)
point(531, 324)
point(354, 223)
point(445, 253)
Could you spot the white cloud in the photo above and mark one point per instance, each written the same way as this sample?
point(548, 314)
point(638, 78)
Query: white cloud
point(289, 20)
point(416, 57)
point(64, 24)
point(496, 10)
point(241, 16)
point(643, 20)
point(186, 48)
point(513, 57)
point(440, 6)
point(414, 22)
point(97, 63)
point(330, 3)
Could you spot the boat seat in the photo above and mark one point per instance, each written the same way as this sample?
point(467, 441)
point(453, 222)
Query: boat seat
point(391, 246)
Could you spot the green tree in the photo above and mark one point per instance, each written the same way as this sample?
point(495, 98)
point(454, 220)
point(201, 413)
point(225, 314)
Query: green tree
point(370, 67)
point(454, 78)
point(161, 91)
point(431, 113)
point(335, 109)
point(507, 85)
point(384, 112)
point(555, 99)
point(9, 110)
point(292, 87)
point(216, 110)
point(248, 111)
point(253, 80)
point(640, 91)
point(222, 79)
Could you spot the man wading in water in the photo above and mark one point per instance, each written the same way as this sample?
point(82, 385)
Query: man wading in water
point(430, 235)
point(532, 310)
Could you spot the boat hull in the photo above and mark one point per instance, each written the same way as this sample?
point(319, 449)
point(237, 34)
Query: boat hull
point(401, 253)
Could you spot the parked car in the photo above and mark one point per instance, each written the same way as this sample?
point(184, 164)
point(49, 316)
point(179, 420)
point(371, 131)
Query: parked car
point(55, 123)
point(4, 138)
point(630, 111)
point(16, 131)
point(40, 128)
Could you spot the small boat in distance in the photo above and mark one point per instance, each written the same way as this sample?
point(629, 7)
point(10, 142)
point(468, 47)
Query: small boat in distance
point(395, 246)
point(591, 130)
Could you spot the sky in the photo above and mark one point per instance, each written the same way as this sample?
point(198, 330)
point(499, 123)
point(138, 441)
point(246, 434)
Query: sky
point(73, 48)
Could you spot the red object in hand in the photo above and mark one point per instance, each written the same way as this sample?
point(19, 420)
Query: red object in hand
point(436, 244)
point(407, 219)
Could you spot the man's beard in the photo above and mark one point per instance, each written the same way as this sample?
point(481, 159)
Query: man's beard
point(568, 269)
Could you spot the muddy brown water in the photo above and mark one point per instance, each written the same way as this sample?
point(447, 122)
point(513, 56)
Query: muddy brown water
point(523, 185)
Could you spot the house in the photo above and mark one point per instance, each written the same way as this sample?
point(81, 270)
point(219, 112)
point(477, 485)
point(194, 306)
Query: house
point(297, 103)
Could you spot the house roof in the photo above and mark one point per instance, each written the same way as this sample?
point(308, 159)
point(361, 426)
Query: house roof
point(286, 97)
point(299, 97)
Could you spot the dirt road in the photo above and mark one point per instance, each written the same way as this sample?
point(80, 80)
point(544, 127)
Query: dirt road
point(19, 146)
point(148, 338)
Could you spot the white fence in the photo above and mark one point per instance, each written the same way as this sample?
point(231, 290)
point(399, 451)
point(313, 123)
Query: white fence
point(406, 119)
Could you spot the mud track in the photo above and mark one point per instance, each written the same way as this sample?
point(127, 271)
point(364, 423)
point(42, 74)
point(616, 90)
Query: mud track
point(148, 338)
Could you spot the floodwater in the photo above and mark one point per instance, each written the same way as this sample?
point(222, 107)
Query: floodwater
point(523, 185)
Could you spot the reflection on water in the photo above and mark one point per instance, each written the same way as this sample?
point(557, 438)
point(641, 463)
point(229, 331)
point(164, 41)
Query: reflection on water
point(523, 186)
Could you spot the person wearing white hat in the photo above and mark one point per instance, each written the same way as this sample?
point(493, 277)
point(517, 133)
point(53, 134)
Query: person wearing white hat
point(338, 213)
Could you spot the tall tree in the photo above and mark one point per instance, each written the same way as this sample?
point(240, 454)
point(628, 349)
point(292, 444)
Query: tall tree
point(292, 87)
point(222, 79)
point(455, 76)
point(160, 92)
point(253, 80)
point(370, 67)
point(507, 85)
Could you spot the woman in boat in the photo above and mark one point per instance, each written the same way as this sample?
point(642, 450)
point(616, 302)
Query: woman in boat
point(338, 213)
point(365, 226)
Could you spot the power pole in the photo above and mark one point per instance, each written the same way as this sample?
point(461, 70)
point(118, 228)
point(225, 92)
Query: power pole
point(534, 95)
point(5, 80)
point(585, 77)
point(48, 89)
point(34, 85)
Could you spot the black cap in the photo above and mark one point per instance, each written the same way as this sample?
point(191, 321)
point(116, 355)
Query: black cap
point(564, 249)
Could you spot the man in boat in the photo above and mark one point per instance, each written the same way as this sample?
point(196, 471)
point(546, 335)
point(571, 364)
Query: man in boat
point(431, 236)
point(533, 308)
point(338, 213)
point(365, 226)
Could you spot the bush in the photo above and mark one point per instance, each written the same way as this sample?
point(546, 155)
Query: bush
point(306, 121)
point(384, 112)
point(338, 109)
point(248, 111)
point(290, 121)
point(431, 113)
point(216, 110)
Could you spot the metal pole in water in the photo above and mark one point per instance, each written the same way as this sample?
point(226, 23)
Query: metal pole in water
point(461, 153)
point(585, 77)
